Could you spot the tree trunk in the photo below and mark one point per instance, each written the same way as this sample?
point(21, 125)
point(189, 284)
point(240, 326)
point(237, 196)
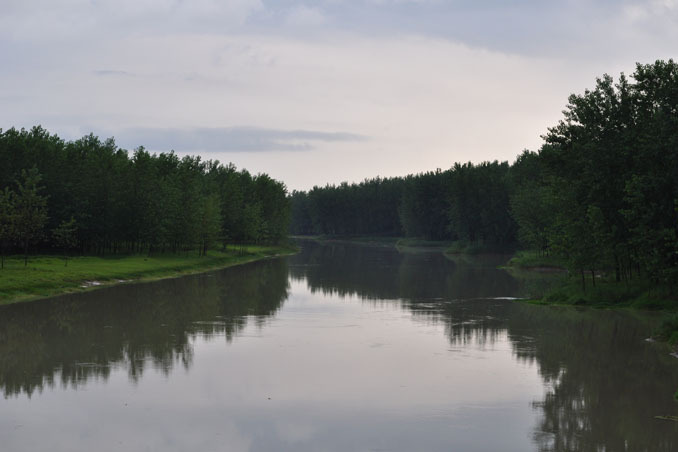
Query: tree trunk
point(593, 277)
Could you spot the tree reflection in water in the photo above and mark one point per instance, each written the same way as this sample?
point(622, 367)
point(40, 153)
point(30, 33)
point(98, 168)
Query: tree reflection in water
point(604, 383)
point(76, 338)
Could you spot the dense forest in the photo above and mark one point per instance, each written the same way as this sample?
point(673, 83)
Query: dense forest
point(601, 192)
point(467, 202)
point(92, 197)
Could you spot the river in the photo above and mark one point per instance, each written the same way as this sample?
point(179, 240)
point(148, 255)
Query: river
point(342, 347)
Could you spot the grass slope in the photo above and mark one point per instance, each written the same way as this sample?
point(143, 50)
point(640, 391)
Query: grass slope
point(46, 275)
point(528, 259)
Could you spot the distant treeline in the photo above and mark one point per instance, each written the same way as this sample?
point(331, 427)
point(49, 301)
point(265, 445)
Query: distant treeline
point(467, 202)
point(602, 191)
point(91, 196)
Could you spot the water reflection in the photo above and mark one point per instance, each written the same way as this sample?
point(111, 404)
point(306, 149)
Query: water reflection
point(605, 383)
point(378, 273)
point(373, 349)
point(75, 338)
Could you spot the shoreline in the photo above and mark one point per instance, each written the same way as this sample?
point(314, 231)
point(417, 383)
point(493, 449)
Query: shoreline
point(406, 244)
point(47, 277)
point(527, 264)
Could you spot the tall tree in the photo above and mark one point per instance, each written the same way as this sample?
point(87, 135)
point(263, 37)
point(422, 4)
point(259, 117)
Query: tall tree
point(65, 237)
point(30, 210)
point(209, 222)
point(7, 222)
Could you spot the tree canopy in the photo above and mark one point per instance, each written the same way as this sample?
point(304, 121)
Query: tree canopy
point(128, 202)
point(602, 191)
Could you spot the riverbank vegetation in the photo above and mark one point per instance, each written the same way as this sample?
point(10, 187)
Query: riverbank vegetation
point(89, 197)
point(536, 260)
point(600, 197)
point(94, 212)
point(47, 275)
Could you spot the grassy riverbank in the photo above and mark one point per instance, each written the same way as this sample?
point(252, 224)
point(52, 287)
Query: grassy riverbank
point(409, 243)
point(422, 243)
point(528, 259)
point(634, 295)
point(599, 290)
point(364, 240)
point(611, 294)
point(567, 290)
point(47, 275)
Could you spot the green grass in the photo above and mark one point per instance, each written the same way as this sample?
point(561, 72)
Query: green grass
point(465, 247)
point(611, 294)
point(448, 246)
point(374, 239)
point(607, 293)
point(477, 247)
point(533, 259)
point(46, 275)
point(411, 243)
point(422, 243)
point(669, 331)
point(366, 239)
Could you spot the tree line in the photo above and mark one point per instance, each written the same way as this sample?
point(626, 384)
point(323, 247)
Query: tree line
point(467, 202)
point(601, 192)
point(93, 197)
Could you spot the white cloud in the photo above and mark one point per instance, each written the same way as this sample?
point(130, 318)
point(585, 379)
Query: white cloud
point(303, 16)
point(222, 139)
point(425, 99)
point(392, 2)
point(424, 103)
point(36, 20)
point(650, 10)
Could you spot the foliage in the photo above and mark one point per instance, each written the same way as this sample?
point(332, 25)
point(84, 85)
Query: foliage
point(607, 179)
point(30, 211)
point(467, 202)
point(600, 195)
point(65, 237)
point(368, 208)
point(537, 259)
point(7, 217)
point(122, 203)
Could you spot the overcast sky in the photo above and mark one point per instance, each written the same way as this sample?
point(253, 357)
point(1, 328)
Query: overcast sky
point(317, 92)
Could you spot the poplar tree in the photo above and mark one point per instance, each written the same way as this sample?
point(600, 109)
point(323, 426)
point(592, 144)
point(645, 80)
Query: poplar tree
point(30, 211)
point(65, 237)
point(7, 219)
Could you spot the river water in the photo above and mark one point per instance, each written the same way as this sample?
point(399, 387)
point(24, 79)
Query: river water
point(341, 347)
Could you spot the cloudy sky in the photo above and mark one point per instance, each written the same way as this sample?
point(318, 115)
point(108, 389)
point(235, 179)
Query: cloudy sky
point(317, 92)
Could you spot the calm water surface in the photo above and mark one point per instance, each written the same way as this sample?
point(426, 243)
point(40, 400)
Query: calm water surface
point(339, 348)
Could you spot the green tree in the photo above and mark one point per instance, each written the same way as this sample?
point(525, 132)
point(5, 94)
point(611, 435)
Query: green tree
point(65, 237)
point(7, 222)
point(533, 214)
point(30, 210)
point(209, 222)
